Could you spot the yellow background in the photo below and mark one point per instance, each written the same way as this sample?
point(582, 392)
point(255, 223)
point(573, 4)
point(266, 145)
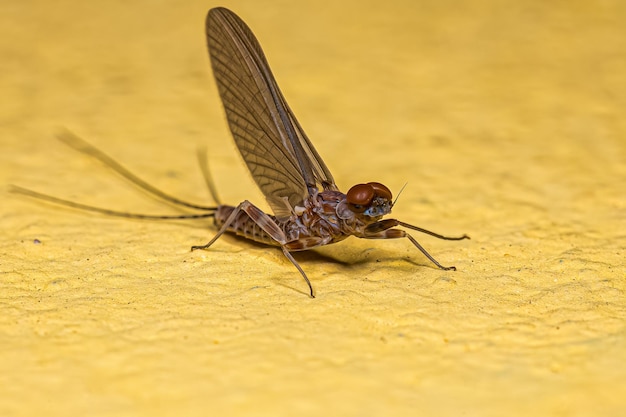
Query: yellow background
point(506, 119)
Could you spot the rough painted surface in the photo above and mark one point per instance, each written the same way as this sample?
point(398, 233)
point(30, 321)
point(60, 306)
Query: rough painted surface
point(505, 118)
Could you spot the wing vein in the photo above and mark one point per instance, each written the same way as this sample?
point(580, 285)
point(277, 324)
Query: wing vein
point(279, 155)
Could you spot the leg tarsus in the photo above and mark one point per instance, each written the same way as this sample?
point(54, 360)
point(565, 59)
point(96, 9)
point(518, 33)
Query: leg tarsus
point(223, 229)
point(295, 263)
point(428, 255)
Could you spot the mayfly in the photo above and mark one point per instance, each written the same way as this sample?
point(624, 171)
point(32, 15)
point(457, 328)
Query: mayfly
point(309, 210)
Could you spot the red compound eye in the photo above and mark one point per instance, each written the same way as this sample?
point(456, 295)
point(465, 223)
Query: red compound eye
point(380, 190)
point(361, 194)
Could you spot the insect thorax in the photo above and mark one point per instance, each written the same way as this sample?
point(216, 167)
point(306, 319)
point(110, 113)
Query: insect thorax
point(326, 216)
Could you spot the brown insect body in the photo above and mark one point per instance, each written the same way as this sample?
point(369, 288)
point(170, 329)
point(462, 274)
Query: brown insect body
point(325, 218)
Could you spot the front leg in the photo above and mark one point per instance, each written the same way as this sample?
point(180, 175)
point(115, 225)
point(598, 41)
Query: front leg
point(389, 223)
point(384, 230)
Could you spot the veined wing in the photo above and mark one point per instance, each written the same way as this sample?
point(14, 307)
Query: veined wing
point(282, 160)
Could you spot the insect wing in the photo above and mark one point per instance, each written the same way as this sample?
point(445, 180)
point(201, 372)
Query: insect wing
point(282, 160)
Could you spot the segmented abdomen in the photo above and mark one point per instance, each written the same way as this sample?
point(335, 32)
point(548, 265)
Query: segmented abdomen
point(243, 225)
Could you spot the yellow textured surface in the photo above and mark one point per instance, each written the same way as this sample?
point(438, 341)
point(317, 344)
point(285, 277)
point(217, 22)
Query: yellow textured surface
point(505, 118)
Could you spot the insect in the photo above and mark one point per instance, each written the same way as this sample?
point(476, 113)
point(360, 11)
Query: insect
point(308, 209)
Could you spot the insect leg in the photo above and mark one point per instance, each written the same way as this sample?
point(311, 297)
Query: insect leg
point(428, 232)
point(297, 265)
point(389, 223)
point(227, 223)
point(397, 234)
point(268, 225)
